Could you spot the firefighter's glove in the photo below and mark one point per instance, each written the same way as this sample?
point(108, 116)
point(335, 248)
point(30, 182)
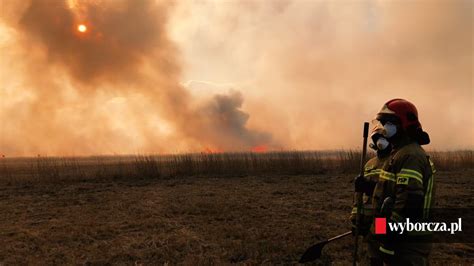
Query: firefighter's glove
point(363, 185)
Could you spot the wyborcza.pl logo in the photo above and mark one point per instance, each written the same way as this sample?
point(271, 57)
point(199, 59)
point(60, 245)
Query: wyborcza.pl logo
point(408, 226)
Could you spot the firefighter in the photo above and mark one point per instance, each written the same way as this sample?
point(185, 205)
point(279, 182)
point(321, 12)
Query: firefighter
point(407, 180)
point(366, 186)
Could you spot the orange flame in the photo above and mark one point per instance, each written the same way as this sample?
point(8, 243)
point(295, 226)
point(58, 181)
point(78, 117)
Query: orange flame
point(259, 148)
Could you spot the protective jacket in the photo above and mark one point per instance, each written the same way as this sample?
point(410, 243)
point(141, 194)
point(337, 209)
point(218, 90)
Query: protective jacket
point(408, 178)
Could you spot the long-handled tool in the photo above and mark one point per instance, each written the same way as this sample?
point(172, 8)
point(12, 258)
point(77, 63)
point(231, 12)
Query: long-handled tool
point(314, 252)
point(359, 194)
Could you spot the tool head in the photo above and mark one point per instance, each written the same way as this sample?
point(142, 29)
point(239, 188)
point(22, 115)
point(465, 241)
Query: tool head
point(312, 253)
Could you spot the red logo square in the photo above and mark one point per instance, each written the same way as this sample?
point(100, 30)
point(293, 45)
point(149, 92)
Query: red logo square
point(380, 226)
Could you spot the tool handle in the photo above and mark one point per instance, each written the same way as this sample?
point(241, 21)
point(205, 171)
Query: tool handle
point(359, 194)
point(339, 236)
point(364, 149)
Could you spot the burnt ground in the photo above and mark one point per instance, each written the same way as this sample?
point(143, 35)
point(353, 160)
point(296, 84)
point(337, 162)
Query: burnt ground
point(193, 220)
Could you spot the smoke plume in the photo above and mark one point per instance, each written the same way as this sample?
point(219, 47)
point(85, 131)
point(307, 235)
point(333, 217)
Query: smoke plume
point(114, 88)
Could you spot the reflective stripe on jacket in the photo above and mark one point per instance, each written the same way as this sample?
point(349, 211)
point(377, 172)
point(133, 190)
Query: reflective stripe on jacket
point(407, 177)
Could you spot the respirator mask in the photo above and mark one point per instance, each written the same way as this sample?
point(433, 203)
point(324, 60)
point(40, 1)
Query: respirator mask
point(379, 142)
point(381, 133)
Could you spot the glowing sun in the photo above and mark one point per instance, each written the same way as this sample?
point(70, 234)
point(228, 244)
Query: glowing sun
point(82, 28)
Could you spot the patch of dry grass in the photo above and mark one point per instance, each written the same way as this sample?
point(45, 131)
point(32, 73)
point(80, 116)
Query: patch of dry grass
point(43, 169)
point(452, 160)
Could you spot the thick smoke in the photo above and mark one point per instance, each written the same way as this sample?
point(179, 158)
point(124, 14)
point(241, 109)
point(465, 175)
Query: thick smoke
point(113, 88)
point(313, 71)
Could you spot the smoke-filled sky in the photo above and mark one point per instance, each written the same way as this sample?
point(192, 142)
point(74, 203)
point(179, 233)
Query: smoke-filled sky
point(158, 76)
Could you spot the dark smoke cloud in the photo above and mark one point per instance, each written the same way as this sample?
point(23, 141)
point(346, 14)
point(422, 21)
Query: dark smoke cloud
point(114, 88)
point(224, 112)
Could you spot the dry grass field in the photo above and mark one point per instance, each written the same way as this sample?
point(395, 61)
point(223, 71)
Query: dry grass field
point(195, 209)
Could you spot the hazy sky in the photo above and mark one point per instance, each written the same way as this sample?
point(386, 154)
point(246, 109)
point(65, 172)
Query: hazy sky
point(183, 76)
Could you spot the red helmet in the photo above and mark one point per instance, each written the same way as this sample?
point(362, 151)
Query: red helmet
point(402, 111)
